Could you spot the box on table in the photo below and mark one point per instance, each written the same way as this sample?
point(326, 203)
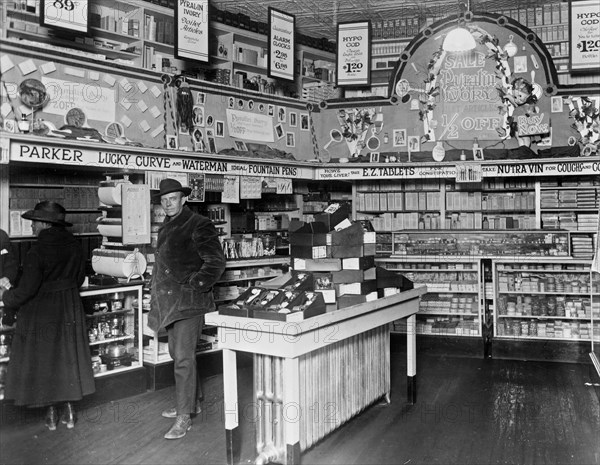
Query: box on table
point(358, 263)
point(360, 288)
point(310, 234)
point(245, 304)
point(348, 300)
point(325, 264)
point(324, 285)
point(306, 305)
point(299, 281)
point(333, 215)
point(351, 251)
point(311, 252)
point(353, 276)
point(387, 278)
point(355, 234)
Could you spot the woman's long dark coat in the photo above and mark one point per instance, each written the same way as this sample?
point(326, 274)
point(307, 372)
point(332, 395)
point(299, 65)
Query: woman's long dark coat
point(50, 357)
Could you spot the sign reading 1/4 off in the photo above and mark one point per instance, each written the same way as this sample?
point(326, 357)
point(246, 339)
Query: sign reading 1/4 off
point(281, 44)
point(354, 54)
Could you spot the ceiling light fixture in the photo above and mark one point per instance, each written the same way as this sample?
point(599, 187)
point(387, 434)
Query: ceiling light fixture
point(460, 38)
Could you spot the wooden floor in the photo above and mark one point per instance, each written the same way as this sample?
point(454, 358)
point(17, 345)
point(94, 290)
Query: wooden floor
point(468, 411)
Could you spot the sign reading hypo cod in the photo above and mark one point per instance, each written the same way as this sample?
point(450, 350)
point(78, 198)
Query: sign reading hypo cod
point(191, 30)
point(70, 15)
point(354, 54)
point(584, 31)
point(281, 44)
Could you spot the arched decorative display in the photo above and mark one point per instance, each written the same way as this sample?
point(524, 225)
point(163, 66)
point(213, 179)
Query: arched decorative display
point(493, 92)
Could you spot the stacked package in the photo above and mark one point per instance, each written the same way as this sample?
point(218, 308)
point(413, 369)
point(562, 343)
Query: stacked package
point(341, 256)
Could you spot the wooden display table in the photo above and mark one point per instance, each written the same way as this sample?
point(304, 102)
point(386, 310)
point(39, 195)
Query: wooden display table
point(312, 376)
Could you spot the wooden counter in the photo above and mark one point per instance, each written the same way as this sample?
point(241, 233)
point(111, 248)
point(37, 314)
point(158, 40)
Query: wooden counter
point(312, 376)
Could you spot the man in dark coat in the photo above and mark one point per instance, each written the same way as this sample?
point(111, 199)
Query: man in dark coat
point(189, 260)
point(50, 361)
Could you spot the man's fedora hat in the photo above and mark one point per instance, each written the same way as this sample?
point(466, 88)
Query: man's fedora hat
point(48, 212)
point(169, 185)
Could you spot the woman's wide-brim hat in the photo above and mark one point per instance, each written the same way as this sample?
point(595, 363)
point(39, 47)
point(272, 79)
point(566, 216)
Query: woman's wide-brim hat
point(48, 212)
point(169, 185)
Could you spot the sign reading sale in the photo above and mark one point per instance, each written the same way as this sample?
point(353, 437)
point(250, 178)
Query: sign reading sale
point(354, 54)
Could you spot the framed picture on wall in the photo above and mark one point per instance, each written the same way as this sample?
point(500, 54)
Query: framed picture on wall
point(279, 131)
point(293, 119)
point(556, 104)
point(172, 142)
point(290, 139)
point(240, 145)
point(304, 122)
point(220, 129)
point(399, 138)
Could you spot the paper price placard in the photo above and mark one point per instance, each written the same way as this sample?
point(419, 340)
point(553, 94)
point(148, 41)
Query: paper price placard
point(191, 30)
point(71, 15)
point(354, 54)
point(584, 28)
point(281, 44)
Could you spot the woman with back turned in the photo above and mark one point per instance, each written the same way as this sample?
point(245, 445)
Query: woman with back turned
point(50, 362)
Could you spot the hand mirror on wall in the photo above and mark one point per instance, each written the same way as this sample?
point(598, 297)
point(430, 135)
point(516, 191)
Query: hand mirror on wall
point(336, 136)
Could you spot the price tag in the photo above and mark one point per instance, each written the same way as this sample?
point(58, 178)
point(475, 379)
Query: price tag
point(281, 44)
point(71, 15)
point(354, 54)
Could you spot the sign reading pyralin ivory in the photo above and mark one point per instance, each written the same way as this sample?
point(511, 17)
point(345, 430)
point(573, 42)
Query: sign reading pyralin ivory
point(281, 44)
point(354, 54)
point(71, 15)
point(191, 30)
point(584, 28)
point(250, 126)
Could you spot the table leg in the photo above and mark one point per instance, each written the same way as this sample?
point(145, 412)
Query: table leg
point(231, 406)
point(291, 409)
point(411, 359)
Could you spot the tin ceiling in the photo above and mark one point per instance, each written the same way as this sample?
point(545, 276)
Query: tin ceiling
point(318, 18)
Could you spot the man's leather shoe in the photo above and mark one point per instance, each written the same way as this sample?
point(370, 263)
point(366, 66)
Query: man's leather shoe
point(68, 415)
point(51, 418)
point(182, 425)
point(172, 412)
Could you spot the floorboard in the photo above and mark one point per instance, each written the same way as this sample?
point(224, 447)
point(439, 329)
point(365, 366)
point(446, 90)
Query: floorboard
point(468, 411)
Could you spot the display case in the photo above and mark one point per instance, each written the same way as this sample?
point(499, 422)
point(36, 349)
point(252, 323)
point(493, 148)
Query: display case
point(452, 304)
point(113, 317)
point(481, 243)
point(544, 299)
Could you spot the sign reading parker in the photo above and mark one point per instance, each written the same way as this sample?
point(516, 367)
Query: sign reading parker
point(354, 54)
point(191, 30)
point(584, 29)
point(281, 44)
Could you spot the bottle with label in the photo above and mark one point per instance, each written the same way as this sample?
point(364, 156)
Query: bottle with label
point(24, 125)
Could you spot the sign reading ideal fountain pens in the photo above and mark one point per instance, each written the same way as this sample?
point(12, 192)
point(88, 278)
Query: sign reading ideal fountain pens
point(71, 15)
point(191, 30)
point(584, 29)
point(281, 44)
point(354, 54)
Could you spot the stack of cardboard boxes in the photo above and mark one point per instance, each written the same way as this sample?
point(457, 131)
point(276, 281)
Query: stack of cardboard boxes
point(341, 256)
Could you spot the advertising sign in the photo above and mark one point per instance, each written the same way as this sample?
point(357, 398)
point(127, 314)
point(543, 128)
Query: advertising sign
point(281, 44)
point(584, 28)
point(191, 30)
point(354, 54)
point(71, 15)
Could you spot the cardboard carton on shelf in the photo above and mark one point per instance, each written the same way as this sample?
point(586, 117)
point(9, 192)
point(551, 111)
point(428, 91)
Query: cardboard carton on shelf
point(358, 263)
point(324, 285)
point(359, 288)
point(353, 276)
point(386, 278)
